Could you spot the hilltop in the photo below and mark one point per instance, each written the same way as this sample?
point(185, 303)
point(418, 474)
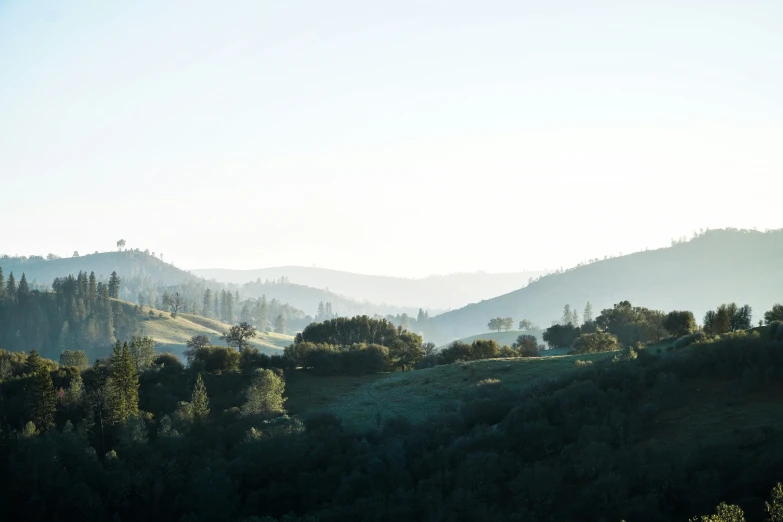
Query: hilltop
point(435, 293)
point(502, 338)
point(716, 267)
point(128, 263)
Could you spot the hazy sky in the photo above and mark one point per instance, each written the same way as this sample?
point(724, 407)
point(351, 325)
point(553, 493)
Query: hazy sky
point(402, 138)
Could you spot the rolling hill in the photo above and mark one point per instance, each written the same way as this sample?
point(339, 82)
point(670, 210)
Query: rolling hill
point(434, 293)
point(307, 298)
point(129, 263)
point(172, 334)
point(716, 267)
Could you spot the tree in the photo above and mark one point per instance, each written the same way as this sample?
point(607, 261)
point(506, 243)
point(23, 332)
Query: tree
point(143, 352)
point(506, 323)
point(122, 386)
point(262, 314)
point(76, 358)
point(207, 303)
point(75, 253)
point(774, 507)
point(428, 349)
point(595, 343)
point(194, 344)
point(499, 323)
point(723, 513)
point(728, 318)
point(567, 317)
point(559, 335)
point(587, 316)
point(2, 283)
point(406, 353)
point(10, 288)
point(680, 323)
point(175, 303)
point(44, 400)
point(199, 401)
point(776, 314)
point(114, 286)
point(120, 244)
point(239, 335)
point(526, 345)
point(265, 394)
point(526, 324)
point(23, 290)
point(280, 324)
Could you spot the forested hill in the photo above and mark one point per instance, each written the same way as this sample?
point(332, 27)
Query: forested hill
point(129, 264)
point(715, 267)
point(308, 298)
point(433, 292)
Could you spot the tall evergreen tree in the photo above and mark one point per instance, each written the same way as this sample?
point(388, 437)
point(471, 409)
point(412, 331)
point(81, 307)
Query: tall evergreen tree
point(263, 314)
point(114, 285)
point(10, 288)
point(24, 289)
point(92, 288)
point(207, 303)
point(328, 311)
point(588, 315)
point(123, 386)
point(44, 399)
point(199, 402)
point(2, 283)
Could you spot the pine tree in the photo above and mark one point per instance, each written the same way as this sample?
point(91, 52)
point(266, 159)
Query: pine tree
point(588, 315)
point(199, 402)
point(2, 283)
point(207, 302)
point(114, 285)
point(216, 307)
point(567, 318)
point(92, 288)
point(123, 386)
point(44, 401)
point(329, 313)
point(10, 288)
point(263, 314)
point(320, 315)
point(24, 289)
point(229, 308)
point(280, 324)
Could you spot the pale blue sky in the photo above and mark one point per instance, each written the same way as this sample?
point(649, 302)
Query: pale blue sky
point(403, 138)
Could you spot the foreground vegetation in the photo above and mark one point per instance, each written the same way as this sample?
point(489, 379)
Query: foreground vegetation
point(631, 435)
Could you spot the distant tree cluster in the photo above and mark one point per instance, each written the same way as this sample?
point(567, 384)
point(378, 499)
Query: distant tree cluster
point(501, 323)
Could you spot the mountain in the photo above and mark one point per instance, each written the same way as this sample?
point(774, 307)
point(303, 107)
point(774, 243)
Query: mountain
point(128, 264)
point(433, 293)
point(308, 298)
point(716, 267)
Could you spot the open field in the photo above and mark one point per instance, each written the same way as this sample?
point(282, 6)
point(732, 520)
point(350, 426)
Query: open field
point(364, 401)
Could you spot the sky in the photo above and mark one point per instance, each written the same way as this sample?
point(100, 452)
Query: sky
point(402, 138)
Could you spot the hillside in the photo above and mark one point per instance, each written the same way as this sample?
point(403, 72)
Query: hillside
point(128, 264)
point(172, 334)
point(307, 299)
point(502, 338)
point(718, 266)
point(362, 402)
point(433, 293)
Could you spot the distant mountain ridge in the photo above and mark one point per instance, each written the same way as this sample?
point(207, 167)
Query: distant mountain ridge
point(128, 263)
point(435, 293)
point(717, 267)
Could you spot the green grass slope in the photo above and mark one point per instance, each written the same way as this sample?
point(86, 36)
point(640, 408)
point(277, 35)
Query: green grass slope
point(718, 266)
point(502, 338)
point(361, 402)
point(172, 334)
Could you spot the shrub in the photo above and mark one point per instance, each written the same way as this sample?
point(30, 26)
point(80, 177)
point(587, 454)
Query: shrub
point(595, 343)
point(688, 340)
